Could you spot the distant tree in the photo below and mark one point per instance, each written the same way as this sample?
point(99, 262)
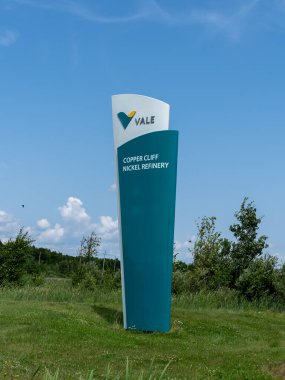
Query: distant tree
point(14, 258)
point(89, 246)
point(211, 260)
point(247, 246)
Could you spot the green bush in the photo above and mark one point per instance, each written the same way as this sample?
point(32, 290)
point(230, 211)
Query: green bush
point(179, 282)
point(280, 283)
point(258, 280)
point(88, 275)
point(88, 282)
point(15, 258)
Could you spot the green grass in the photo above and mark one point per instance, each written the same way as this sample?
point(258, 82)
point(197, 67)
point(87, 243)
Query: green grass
point(56, 332)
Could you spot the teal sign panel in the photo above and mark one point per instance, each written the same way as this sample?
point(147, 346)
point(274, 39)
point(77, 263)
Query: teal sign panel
point(147, 168)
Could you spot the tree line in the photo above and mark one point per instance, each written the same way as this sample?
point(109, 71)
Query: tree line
point(241, 265)
point(23, 263)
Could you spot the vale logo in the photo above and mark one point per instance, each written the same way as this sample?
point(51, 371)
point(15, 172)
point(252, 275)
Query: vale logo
point(126, 119)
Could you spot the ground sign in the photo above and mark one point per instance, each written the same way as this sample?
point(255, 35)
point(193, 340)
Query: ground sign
point(146, 161)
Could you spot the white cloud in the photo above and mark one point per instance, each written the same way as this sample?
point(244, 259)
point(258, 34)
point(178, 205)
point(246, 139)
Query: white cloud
point(150, 10)
point(113, 187)
point(210, 18)
point(181, 245)
point(65, 235)
point(74, 211)
point(77, 9)
point(183, 249)
point(43, 223)
point(107, 228)
point(8, 37)
point(4, 217)
point(231, 22)
point(109, 249)
point(8, 226)
point(52, 235)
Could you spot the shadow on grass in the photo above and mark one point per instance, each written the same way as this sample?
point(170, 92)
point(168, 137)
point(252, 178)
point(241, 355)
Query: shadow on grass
point(115, 317)
point(112, 316)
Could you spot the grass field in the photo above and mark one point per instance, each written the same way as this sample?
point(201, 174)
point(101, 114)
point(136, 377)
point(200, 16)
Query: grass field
point(54, 331)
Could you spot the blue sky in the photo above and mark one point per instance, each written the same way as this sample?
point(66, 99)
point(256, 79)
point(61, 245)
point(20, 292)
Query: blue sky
point(219, 64)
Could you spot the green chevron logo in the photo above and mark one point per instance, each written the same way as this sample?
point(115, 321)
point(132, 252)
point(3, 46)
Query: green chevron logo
point(126, 119)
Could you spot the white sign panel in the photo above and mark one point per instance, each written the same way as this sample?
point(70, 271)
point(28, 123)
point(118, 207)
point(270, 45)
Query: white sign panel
point(136, 115)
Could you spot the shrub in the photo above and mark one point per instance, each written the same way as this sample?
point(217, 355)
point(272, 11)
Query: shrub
point(14, 258)
point(259, 279)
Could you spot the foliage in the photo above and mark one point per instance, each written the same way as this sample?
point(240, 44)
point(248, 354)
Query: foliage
point(280, 282)
point(259, 278)
point(89, 246)
point(179, 283)
point(218, 264)
point(93, 273)
point(91, 276)
point(52, 263)
point(211, 256)
point(247, 246)
point(15, 258)
point(87, 275)
point(240, 265)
